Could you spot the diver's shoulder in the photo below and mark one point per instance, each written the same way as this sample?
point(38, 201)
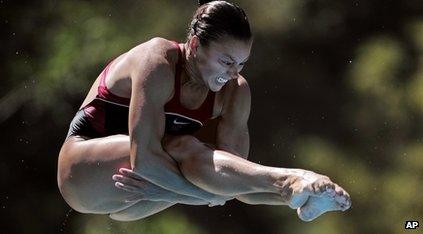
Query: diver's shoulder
point(236, 90)
point(157, 47)
point(239, 85)
point(242, 82)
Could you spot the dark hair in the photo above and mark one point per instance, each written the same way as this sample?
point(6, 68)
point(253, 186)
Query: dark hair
point(213, 20)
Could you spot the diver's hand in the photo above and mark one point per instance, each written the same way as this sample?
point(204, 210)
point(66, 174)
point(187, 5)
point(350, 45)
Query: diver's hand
point(130, 181)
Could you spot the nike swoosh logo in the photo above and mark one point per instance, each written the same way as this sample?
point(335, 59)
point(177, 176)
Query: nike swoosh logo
point(177, 122)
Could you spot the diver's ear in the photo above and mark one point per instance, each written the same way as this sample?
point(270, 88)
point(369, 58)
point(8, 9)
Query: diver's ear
point(194, 43)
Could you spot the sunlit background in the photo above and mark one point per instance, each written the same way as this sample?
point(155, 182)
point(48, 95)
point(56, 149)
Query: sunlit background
point(337, 88)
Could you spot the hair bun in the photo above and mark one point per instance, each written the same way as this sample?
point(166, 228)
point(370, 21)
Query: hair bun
point(201, 2)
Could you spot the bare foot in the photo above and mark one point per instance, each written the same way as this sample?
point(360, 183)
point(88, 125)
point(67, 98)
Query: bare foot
point(312, 194)
point(330, 200)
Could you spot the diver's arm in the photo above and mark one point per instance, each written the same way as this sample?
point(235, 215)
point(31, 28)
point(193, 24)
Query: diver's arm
point(152, 85)
point(232, 130)
point(232, 135)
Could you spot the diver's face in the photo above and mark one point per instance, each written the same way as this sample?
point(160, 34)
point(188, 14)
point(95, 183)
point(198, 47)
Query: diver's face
point(222, 60)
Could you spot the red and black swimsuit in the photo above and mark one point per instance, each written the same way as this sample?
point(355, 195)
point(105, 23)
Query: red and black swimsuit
point(107, 114)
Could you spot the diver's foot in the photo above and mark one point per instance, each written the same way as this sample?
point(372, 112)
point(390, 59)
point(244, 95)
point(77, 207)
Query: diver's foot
point(330, 200)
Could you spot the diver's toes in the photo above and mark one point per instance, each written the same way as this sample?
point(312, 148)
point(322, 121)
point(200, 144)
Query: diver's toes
point(347, 204)
point(304, 216)
point(308, 213)
point(330, 192)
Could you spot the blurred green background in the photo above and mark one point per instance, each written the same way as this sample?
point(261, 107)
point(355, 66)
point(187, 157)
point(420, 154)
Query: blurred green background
point(337, 88)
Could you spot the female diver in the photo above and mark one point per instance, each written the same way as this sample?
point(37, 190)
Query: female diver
point(130, 151)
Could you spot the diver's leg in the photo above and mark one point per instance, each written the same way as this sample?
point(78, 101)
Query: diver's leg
point(140, 210)
point(85, 170)
point(223, 173)
point(262, 199)
point(310, 210)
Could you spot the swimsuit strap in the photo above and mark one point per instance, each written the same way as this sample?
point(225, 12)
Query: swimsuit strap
point(178, 71)
point(104, 93)
point(104, 74)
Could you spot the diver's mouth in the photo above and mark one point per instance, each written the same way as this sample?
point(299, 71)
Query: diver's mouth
point(221, 80)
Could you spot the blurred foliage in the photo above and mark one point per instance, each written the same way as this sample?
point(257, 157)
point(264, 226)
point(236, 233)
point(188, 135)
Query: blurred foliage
point(163, 223)
point(337, 88)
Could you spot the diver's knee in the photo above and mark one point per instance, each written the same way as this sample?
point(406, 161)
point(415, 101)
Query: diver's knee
point(181, 147)
point(174, 143)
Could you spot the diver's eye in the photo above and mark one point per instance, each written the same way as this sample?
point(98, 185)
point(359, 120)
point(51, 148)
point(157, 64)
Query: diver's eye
point(227, 63)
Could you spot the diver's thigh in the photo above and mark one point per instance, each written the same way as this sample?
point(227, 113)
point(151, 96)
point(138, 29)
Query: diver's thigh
point(85, 173)
point(140, 210)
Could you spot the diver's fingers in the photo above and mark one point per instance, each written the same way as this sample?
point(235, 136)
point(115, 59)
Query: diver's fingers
point(130, 173)
point(127, 180)
point(126, 187)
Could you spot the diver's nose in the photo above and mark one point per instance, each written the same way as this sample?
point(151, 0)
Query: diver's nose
point(233, 73)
